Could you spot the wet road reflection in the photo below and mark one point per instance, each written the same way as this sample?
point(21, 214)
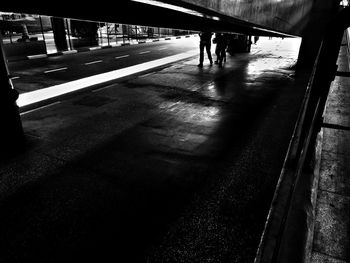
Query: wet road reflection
point(192, 112)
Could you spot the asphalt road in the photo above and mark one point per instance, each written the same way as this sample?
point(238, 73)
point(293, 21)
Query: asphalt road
point(29, 75)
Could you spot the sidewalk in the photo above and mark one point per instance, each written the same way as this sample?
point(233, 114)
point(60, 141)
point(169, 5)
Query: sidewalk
point(331, 242)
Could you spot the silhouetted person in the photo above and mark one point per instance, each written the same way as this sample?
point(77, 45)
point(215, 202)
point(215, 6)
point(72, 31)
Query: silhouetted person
point(256, 38)
point(205, 42)
point(221, 41)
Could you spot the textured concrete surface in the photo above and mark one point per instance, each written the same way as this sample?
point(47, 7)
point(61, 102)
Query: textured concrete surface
point(331, 237)
point(282, 15)
point(175, 166)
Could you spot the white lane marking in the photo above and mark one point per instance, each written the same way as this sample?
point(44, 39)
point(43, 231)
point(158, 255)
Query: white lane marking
point(93, 62)
point(163, 48)
point(144, 52)
point(16, 77)
point(122, 56)
point(42, 107)
point(54, 70)
point(97, 90)
point(53, 91)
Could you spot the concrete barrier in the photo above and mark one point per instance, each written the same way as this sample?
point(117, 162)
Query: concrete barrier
point(23, 49)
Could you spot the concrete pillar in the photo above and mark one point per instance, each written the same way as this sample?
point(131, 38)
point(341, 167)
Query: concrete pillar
point(321, 13)
point(12, 136)
point(59, 33)
point(25, 34)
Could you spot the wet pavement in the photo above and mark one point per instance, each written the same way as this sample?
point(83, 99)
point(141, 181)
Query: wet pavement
point(177, 165)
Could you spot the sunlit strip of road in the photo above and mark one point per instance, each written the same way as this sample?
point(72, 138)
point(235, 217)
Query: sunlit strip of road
point(57, 90)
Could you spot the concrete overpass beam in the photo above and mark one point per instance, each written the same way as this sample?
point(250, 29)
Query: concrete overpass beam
point(320, 15)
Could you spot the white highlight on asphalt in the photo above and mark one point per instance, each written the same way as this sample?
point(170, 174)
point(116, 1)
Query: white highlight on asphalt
point(122, 56)
point(94, 48)
point(144, 52)
point(163, 48)
point(93, 62)
point(54, 70)
point(67, 52)
point(42, 107)
point(37, 56)
point(14, 78)
point(57, 90)
point(145, 75)
point(103, 88)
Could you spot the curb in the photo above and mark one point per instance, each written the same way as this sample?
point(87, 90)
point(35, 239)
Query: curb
point(288, 232)
point(73, 51)
point(297, 240)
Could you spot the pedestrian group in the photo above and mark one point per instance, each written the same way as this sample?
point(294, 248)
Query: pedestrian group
point(221, 41)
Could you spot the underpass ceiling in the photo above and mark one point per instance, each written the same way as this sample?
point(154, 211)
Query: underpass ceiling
point(137, 13)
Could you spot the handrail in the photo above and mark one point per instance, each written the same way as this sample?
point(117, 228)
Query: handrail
point(277, 242)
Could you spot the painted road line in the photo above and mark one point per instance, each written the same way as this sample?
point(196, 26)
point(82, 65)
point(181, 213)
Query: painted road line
point(144, 52)
point(57, 90)
point(163, 48)
point(42, 107)
point(54, 70)
point(15, 78)
point(124, 56)
point(93, 62)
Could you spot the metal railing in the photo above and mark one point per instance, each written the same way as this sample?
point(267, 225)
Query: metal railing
point(33, 29)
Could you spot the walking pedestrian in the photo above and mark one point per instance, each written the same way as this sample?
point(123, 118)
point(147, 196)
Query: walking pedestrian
point(205, 42)
point(256, 38)
point(221, 41)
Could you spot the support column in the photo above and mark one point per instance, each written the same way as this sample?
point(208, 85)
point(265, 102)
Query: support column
point(12, 136)
point(59, 33)
point(320, 15)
